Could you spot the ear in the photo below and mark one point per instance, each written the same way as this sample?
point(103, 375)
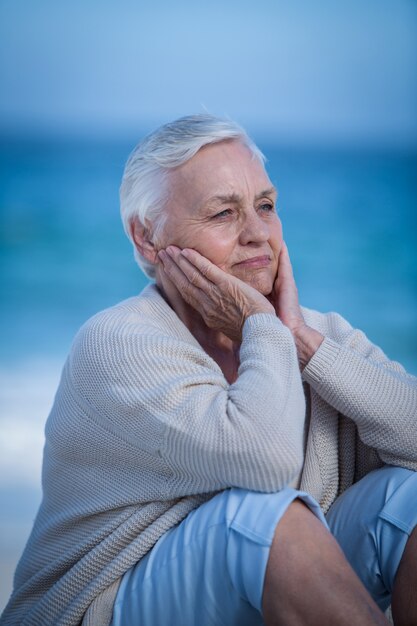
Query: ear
point(142, 237)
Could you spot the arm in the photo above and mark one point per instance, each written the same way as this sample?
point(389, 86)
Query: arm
point(167, 398)
point(352, 375)
point(229, 306)
point(247, 434)
point(165, 395)
point(356, 378)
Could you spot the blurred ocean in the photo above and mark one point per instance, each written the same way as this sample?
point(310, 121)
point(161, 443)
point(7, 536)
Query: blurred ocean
point(350, 222)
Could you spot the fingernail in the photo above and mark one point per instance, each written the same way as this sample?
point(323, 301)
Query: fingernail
point(170, 250)
point(162, 255)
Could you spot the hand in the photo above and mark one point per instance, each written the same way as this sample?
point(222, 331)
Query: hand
point(285, 300)
point(223, 301)
point(284, 296)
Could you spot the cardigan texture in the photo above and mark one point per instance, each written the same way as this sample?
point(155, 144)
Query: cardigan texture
point(145, 428)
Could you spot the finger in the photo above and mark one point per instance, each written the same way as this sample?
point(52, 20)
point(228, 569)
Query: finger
point(191, 271)
point(206, 276)
point(210, 271)
point(285, 271)
point(214, 281)
point(191, 293)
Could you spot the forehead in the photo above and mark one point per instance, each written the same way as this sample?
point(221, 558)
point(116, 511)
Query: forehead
point(220, 168)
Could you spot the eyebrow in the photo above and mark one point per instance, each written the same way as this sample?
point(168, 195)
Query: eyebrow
point(235, 198)
point(271, 191)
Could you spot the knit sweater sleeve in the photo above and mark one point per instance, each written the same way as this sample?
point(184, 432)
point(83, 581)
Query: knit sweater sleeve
point(358, 380)
point(167, 397)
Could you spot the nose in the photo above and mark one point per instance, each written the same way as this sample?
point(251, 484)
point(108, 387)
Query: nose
point(254, 229)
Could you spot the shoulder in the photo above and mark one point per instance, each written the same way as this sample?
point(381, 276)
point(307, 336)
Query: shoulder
point(141, 329)
point(147, 314)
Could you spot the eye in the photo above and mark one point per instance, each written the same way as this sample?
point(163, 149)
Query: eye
point(266, 207)
point(222, 214)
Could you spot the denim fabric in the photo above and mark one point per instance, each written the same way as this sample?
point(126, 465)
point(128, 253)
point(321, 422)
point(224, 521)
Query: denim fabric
point(372, 521)
point(209, 570)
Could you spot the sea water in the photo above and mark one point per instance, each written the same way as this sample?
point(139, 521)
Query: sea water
point(349, 219)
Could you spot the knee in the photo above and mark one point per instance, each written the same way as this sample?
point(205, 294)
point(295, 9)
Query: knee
point(380, 494)
point(253, 518)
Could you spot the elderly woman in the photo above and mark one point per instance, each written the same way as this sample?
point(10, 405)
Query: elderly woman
point(203, 430)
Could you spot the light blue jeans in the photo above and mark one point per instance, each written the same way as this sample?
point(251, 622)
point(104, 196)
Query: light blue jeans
point(209, 570)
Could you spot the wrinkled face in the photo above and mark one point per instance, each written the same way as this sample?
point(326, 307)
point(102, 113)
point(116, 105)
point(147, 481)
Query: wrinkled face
point(222, 204)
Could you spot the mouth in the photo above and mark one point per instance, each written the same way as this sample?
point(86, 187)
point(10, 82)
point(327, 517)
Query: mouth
point(255, 262)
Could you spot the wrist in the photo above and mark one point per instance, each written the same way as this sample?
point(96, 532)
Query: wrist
point(307, 341)
point(266, 308)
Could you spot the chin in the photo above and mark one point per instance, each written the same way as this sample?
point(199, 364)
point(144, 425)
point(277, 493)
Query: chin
point(260, 279)
point(262, 284)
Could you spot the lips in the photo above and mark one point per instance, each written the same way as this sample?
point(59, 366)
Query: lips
point(255, 261)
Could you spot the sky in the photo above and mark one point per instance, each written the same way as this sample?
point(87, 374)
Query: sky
point(297, 70)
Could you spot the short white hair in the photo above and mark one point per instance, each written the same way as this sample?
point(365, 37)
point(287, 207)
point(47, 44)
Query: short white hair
point(144, 188)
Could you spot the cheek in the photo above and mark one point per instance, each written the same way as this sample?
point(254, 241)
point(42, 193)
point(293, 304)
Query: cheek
point(217, 249)
point(214, 245)
point(176, 235)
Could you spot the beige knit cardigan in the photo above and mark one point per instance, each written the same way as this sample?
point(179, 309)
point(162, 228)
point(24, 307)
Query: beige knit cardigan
point(145, 428)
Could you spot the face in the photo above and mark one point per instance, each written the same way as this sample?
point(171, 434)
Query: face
point(222, 204)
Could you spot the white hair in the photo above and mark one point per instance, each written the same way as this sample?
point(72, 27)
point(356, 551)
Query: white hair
point(144, 188)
